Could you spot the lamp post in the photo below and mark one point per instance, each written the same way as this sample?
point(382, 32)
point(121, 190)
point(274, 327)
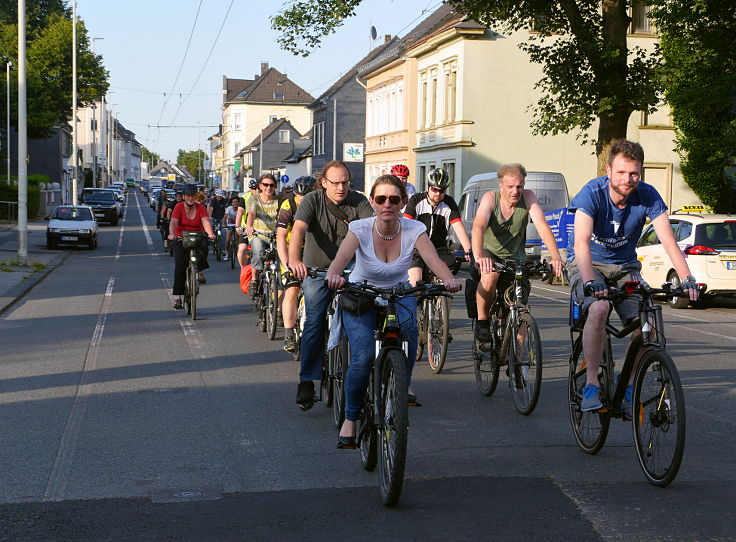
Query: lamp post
point(7, 133)
point(75, 152)
point(22, 139)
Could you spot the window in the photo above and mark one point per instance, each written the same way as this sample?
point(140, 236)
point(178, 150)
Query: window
point(318, 138)
point(272, 119)
point(433, 112)
point(449, 167)
point(93, 125)
point(236, 147)
point(640, 22)
point(278, 95)
point(649, 238)
point(419, 183)
point(686, 228)
point(423, 106)
point(450, 92)
point(284, 136)
point(237, 121)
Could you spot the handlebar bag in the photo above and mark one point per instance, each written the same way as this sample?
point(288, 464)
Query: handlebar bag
point(192, 239)
point(355, 304)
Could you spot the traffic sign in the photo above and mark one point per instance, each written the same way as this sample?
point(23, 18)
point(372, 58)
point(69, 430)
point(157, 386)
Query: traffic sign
point(284, 179)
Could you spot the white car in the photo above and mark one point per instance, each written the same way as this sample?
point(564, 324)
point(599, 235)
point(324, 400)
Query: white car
point(709, 245)
point(72, 225)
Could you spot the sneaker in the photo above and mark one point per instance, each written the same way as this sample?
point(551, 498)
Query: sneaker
point(290, 344)
point(482, 333)
point(225, 258)
point(628, 403)
point(591, 398)
point(178, 305)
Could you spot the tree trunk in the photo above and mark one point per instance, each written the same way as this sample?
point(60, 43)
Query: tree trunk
point(610, 128)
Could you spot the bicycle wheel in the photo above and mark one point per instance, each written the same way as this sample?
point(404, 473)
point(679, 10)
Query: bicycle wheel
point(422, 327)
point(438, 331)
point(525, 365)
point(590, 428)
point(327, 391)
point(272, 305)
point(659, 417)
point(187, 290)
point(218, 247)
point(486, 365)
point(338, 369)
point(300, 317)
point(232, 249)
point(394, 429)
point(366, 431)
point(193, 287)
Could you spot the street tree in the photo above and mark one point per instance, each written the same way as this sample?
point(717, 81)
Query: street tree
point(194, 162)
point(48, 68)
point(150, 157)
point(591, 76)
point(700, 76)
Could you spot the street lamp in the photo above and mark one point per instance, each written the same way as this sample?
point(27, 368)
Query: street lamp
point(7, 78)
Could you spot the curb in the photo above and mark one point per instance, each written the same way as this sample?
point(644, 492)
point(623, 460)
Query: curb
point(12, 296)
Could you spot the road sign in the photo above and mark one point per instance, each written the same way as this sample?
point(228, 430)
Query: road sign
point(172, 177)
point(352, 152)
point(284, 179)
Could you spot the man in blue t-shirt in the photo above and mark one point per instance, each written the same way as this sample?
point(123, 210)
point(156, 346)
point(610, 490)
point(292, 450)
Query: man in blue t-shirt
point(610, 213)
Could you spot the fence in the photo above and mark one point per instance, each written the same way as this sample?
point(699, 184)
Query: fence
point(9, 210)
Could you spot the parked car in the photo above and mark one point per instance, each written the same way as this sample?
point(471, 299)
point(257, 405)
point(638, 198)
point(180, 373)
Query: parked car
point(153, 197)
point(549, 187)
point(709, 245)
point(72, 225)
point(104, 203)
point(119, 184)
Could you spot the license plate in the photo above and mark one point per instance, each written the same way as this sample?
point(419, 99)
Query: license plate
point(99, 214)
point(730, 265)
point(68, 238)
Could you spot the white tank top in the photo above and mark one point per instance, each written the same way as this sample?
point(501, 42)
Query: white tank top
point(375, 271)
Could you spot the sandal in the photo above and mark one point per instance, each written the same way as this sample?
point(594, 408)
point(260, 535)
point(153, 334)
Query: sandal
point(305, 395)
point(346, 443)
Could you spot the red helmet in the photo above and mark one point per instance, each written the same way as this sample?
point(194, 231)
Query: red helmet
point(400, 170)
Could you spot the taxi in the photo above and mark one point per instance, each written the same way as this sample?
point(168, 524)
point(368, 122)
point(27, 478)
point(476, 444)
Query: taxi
point(709, 245)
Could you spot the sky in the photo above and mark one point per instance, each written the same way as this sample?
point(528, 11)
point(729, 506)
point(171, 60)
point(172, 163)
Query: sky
point(144, 46)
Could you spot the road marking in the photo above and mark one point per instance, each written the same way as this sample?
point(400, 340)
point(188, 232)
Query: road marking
point(70, 437)
point(144, 226)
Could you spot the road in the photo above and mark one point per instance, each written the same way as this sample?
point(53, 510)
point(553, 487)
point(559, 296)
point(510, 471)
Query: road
point(123, 420)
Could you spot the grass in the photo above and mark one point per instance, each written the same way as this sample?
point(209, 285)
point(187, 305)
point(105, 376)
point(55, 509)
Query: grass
point(8, 265)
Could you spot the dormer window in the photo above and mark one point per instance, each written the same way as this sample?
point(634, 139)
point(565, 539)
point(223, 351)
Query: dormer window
point(278, 95)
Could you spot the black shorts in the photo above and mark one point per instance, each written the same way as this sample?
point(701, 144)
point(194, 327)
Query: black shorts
point(505, 281)
point(445, 254)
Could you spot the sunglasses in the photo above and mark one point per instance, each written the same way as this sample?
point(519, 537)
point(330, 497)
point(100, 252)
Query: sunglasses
point(268, 185)
point(380, 200)
point(437, 190)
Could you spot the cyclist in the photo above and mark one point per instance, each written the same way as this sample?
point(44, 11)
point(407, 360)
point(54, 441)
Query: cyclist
point(262, 210)
point(437, 211)
point(610, 212)
point(402, 172)
point(231, 214)
point(216, 209)
point(499, 233)
point(187, 216)
point(382, 246)
point(284, 223)
point(252, 191)
point(166, 208)
point(321, 223)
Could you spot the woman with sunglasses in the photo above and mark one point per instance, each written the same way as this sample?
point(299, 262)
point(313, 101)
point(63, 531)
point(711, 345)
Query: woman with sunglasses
point(382, 246)
point(262, 209)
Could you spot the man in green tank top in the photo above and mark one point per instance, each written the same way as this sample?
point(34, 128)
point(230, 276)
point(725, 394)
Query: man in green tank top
point(499, 232)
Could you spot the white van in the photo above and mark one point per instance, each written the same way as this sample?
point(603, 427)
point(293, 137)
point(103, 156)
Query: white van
point(549, 187)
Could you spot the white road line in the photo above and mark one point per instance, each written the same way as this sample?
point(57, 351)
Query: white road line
point(70, 437)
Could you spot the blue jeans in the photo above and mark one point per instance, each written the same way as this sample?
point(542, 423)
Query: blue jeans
point(360, 331)
point(317, 298)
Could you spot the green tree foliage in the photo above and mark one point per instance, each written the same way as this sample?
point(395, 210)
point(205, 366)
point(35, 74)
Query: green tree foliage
point(700, 74)
point(590, 74)
point(149, 156)
point(48, 64)
point(193, 161)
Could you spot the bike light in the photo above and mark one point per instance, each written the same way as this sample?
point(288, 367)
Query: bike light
point(391, 334)
point(700, 250)
point(630, 286)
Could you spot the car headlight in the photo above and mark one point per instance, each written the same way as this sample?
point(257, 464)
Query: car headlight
point(54, 230)
point(85, 231)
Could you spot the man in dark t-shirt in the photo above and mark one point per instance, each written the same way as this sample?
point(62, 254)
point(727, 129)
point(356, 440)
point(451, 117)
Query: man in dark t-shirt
point(321, 223)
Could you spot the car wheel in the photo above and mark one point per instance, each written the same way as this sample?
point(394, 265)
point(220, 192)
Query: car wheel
point(677, 302)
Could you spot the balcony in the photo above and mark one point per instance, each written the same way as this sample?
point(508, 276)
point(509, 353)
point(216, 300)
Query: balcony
point(387, 142)
point(455, 134)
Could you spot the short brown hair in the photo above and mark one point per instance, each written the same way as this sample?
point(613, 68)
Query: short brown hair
point(514, 169)
point(392, 180)
point(629, 149)
point(333, 164)
point(267, 176)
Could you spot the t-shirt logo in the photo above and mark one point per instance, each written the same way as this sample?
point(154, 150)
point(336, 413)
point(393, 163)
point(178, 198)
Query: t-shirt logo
point(616, 225)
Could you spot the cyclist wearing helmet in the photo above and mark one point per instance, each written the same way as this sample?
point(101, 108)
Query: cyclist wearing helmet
point(499, 233)
point(216, 210)
point(188, 216)
point(438, 211)
point(402, 172)
point(284, 222)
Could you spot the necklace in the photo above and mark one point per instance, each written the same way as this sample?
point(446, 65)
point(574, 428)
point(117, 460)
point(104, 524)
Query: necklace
point(388, 237)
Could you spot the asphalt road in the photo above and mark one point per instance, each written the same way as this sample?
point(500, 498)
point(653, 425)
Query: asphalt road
point(123, 420)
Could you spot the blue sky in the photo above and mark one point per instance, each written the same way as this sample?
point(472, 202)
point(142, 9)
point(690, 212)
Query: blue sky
point(143, 43)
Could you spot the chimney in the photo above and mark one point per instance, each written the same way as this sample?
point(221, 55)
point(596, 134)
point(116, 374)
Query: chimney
point(264, 67)
point(387, 38)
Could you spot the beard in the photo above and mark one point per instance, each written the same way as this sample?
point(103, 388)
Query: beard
point(620, 193)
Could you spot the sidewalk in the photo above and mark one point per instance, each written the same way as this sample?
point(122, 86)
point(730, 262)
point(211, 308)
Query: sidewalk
point(16, 280)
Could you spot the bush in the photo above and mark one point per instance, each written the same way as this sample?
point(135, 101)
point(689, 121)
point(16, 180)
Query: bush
point(10, 193)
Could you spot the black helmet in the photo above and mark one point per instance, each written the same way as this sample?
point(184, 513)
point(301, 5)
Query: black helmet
point(438, 178)
point(178, 193)
point(253, 183)
point(304, 184)
point(189, 189)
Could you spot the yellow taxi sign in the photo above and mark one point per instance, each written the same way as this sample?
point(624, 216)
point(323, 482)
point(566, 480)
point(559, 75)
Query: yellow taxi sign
point(692, 209)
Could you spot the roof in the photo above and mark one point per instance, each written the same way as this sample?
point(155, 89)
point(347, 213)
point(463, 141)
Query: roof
point(298, 155)
point(352, 72)
point(269, 130)
point(271, 86)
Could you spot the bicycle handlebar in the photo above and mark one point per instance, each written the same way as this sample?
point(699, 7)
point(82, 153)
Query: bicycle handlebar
point(425, 290)
point(635, 287)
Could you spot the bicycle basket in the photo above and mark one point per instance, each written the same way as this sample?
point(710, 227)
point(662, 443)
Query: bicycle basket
point(192, 239)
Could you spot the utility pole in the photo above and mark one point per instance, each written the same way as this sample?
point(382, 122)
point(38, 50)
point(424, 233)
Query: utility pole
point(22, 141)
point(7, 79)
point(95, 129)
point(75, 151)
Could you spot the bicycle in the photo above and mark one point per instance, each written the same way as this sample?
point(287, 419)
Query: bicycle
point(384, 417)
point(217, 241)
point(658, 406)
point(515, 340)
point(190, 240)
point(266, 295)
point(433, 322)
point(232, 246)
